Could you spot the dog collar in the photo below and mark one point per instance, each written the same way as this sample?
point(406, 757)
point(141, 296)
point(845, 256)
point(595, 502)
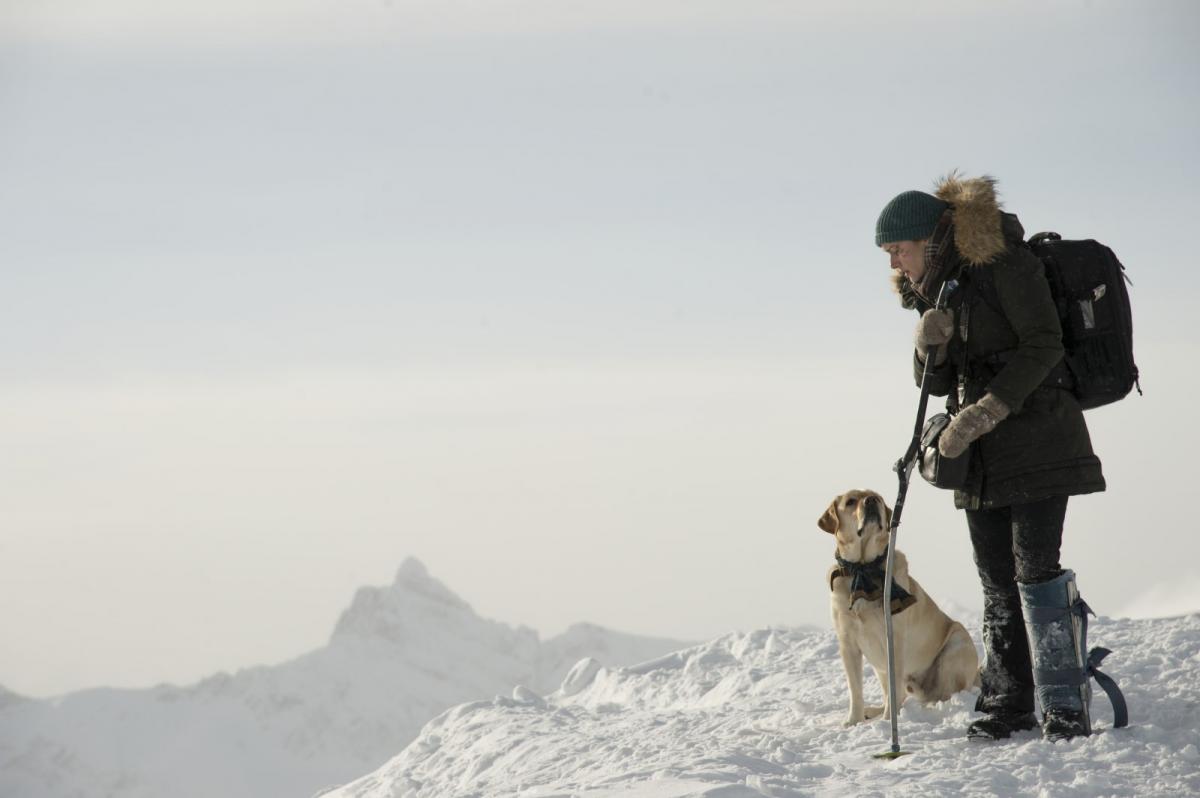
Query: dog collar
point(867, 580)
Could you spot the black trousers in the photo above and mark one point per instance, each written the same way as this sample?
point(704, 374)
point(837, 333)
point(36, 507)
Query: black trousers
point(1013, 544)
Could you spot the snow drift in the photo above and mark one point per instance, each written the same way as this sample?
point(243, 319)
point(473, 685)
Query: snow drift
point(760, 714)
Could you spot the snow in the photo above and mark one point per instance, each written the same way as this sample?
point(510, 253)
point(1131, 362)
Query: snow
point(399, 655)
point(468, 707)
point(1178, 596)
point(760, 713)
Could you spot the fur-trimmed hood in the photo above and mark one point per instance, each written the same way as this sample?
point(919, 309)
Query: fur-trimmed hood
point(978, 233)
point(981, 228)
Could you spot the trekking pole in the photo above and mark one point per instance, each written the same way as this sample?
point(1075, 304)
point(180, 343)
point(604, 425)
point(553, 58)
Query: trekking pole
point(903, 469)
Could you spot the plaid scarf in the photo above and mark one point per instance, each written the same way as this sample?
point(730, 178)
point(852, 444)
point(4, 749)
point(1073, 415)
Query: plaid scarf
point(941, 259)
point(867, 582)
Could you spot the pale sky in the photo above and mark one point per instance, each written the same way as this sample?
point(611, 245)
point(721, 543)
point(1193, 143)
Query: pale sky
point(577, 303)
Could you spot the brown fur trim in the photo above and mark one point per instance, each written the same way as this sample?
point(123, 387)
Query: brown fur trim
point(977, 233)
point(904, 289)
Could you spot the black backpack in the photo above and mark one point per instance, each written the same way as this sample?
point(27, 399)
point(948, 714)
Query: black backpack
point(1088, 285)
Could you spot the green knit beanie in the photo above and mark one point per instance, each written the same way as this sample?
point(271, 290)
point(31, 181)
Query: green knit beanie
point(910, 216)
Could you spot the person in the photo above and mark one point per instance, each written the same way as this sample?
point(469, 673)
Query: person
point(998, 357)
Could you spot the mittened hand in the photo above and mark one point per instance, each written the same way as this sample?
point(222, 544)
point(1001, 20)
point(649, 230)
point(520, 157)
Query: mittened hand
point(935, 328)
point(972, 422)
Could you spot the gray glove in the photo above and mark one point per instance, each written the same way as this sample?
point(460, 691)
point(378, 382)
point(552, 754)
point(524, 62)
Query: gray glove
point(935, 328)
point(972, 422)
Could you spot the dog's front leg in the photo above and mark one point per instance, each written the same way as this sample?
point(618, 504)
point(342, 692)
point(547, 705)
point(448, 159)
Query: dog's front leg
point(852, 663)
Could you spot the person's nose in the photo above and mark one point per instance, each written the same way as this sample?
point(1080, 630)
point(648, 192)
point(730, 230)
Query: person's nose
point(895, 261)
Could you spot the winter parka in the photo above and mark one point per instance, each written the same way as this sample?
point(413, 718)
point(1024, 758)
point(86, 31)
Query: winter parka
point(1007, 341)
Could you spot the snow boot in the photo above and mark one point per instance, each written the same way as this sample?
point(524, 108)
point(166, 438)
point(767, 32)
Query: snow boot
point(1056, 624)
point(999, 725)
point(1006, 675)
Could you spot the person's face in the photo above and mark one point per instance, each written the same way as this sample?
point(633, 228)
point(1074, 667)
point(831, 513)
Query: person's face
point(907, 257)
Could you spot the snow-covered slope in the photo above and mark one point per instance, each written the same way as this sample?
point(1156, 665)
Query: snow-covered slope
point(398, 656)
point(760, 714)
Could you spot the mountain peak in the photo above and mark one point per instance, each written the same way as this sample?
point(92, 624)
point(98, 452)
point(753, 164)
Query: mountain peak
point(404, 610)
point(411, 569)
point(413, 579)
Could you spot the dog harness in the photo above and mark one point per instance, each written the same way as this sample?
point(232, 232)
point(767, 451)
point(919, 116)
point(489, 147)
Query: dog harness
point(866, 582)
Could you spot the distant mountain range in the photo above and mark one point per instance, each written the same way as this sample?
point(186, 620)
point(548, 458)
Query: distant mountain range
point(398, 656)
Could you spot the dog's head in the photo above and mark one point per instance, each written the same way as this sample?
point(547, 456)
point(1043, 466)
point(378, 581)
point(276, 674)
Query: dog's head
point(860, 521)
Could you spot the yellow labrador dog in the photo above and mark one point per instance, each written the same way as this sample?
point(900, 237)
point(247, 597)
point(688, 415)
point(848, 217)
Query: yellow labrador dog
point(935, 657)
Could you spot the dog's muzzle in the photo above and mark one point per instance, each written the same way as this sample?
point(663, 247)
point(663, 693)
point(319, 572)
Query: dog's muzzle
point(871, 513)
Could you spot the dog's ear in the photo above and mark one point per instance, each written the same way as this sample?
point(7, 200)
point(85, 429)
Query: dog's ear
point(829, 521)
point(887, 517)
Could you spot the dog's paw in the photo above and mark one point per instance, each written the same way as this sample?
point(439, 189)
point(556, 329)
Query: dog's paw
point(867, 713)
